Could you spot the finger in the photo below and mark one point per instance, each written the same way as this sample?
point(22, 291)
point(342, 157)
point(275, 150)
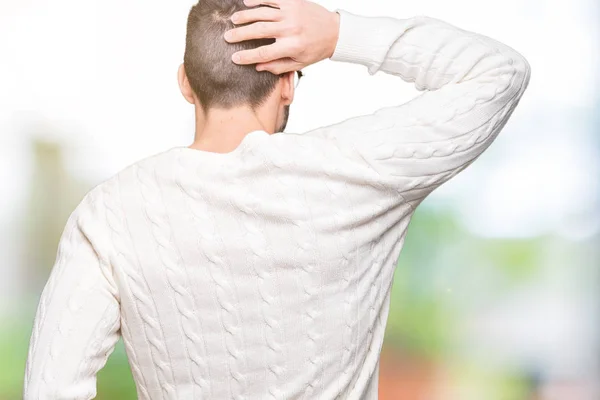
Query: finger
point(254, 3)
point(280, 66)
point(256, 30)
point(260, 54)
point(256, 14)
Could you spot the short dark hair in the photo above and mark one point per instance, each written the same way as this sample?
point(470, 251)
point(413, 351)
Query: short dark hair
point(213, 76)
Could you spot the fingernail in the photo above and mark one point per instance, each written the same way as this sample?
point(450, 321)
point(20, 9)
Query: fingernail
point(227, 35)
point(233, 18)
point(235, 58)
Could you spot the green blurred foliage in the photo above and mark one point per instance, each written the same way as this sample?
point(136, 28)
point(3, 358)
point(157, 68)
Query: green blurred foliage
point(15, 332)
point(115, 380)
point(439, 262)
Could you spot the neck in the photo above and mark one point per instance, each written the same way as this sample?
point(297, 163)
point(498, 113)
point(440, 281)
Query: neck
point(223, 130)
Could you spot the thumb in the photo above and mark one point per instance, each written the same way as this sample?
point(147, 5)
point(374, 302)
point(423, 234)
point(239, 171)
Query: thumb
point(280, 66)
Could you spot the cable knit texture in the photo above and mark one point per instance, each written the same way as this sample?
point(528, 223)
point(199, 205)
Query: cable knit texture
point(265, 273)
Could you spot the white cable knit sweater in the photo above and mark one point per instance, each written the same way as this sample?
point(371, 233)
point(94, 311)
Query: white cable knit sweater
point(265, 273)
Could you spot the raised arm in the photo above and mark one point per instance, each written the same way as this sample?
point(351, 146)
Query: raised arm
point(471, 85)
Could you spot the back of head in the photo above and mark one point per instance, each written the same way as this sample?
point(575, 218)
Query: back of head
point(214, 77)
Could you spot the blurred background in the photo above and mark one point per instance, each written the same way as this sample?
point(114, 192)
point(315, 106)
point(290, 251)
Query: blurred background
point(496, 292)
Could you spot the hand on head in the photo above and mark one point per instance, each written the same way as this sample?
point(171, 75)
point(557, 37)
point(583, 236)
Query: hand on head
point(304, 32)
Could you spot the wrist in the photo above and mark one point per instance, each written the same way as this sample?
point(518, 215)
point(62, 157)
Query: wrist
point(335, 16)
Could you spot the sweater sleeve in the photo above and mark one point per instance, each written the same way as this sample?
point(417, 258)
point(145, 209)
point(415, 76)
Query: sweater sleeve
point(471, 85)
point(77, 323)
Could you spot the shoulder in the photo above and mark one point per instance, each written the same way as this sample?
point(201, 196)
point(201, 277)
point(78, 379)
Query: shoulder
point(99, 215)
point(100, 201)
point(319, 145)
point(110, 187)
point(309, 146)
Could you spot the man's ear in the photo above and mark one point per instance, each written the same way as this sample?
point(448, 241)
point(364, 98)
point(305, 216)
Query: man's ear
point(287, 91)
point(184, 85)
